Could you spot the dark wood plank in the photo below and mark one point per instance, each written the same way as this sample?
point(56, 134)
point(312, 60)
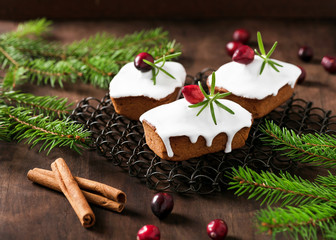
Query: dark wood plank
point(29, 211)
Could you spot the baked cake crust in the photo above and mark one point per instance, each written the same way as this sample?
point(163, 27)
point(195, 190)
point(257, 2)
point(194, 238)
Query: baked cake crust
point(184, 149)
point(133, 107)
point(259, 108)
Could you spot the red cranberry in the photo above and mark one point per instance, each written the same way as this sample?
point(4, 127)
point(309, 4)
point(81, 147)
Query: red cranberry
point(241, 35)
point(302, 75)
point(217, 229)
point(232, 46)
point(148, 232)
point(305, 53)
point(329, 63)
point(140, 64)
point(193, 94)
point(243, 54)
point(162, 205)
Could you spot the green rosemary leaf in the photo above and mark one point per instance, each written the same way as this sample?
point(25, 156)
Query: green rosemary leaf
point(213, 83)
point(212, 112)
point(222, 95)
point(202, 90)
point(165, 72)
point(154, 74)
point(262, 67)
point(272, 65)
point(207, 101)
point(198, 104)
point(256, 51)
point(219, 104)
point(149, 63)
point(261, 44)
point(272, 50)
point(168, 57)
point(275, 63)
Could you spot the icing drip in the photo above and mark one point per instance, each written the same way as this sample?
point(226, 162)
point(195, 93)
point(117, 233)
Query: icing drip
point(245, 81)
point(132, 82)
point(177, 119)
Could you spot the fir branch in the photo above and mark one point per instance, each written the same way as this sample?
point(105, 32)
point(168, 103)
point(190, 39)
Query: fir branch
point(33, 27)
point(317, 149)
point(94, 60)
point(21, 124)
point(328, 181)
point(304, 221)
point(285, 188)
point(47, 105)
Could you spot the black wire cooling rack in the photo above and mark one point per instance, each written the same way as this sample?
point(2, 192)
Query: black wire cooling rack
point(122, 142)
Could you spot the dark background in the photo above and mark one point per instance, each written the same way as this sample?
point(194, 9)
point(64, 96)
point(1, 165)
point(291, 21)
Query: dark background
point(167, 10)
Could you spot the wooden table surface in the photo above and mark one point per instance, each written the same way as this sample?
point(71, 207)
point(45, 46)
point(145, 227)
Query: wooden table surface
point(28, 211)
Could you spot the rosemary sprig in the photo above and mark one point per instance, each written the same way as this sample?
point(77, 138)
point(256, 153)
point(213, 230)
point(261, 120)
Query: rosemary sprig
point(265, 56)
point(211, 98)
point(156, 69)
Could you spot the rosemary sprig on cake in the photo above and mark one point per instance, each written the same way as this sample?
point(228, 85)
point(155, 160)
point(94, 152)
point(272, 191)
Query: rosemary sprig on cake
point(145, 62)
point(265, 56)
point(197, 95)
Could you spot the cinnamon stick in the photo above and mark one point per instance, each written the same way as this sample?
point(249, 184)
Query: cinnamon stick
point(93, 186)
point(72, 192)
point(48, 180)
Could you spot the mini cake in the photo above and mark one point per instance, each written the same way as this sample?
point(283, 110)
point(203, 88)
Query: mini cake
point(135, 90)
point(257, 85)
point(179, 131)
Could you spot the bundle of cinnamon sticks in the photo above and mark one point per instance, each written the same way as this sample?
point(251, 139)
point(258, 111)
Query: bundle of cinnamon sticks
point(79, 191)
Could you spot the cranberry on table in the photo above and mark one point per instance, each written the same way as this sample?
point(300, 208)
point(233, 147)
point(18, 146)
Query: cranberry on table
point(149, 232)
point(305, 53)
point(243, 55)
point(162, 204)
point(329, 64)
point(302, 76)
point(140, 64)
point(217, 229)
point(241, 35)
point(193, 94)
point(232, 46)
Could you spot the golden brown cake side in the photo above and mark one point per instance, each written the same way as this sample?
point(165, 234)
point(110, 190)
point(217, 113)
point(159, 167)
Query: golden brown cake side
point(184, 149)
point(134, 107)
point(260, 108)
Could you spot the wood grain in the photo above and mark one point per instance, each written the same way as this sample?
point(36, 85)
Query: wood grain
point(22, 217)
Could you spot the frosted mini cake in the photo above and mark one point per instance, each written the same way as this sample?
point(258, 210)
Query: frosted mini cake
point(260, 84)
point(179, 131)
point(134, 91)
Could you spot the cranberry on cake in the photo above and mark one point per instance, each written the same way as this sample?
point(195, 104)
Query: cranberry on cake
point(257, 82)
point(144, 84)
point(196, 125)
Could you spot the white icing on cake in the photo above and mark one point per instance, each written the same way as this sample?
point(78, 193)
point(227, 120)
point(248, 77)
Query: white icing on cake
point(245, 81)
point(177, 119)
point(130, 82)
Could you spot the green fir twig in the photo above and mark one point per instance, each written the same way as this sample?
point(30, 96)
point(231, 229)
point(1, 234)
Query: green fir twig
point(315, 208)
point(284, 188)
point(316, 149)
point(94, 60)
point(51, 106)
point(22, 124)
